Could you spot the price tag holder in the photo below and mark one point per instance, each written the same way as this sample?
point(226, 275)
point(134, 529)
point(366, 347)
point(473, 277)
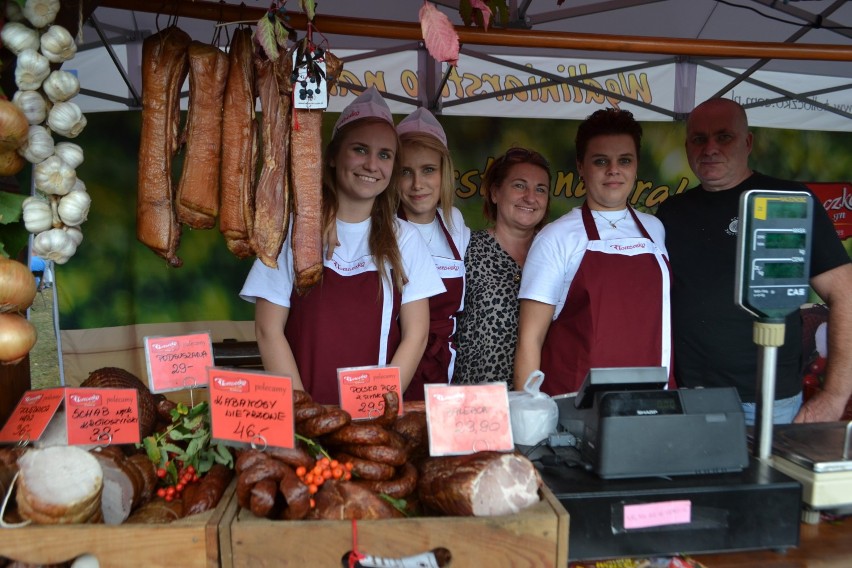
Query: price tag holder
point(31, 416)
point(178, 362)
point(251, 408)
point(362, 389)
point(468, 419)
point(102, 416)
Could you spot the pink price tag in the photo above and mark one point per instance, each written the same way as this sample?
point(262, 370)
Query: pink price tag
point(362, 390)
point(178, 362)
point(251, 408)
point(664, 513)
point(32, 415)
point(468, 419)
point(102, 416)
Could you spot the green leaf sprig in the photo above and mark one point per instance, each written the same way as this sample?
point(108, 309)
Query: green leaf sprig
point(187, 440)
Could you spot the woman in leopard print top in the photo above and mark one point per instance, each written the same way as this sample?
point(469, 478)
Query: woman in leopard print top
point(517, 198)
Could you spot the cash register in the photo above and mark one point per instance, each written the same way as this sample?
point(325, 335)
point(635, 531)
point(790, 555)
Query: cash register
point(627, 425)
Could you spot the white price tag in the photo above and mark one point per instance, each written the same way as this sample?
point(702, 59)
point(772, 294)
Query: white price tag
point(310, 89)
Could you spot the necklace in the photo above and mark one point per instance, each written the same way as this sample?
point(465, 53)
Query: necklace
point(432, 228)
point(612, 223)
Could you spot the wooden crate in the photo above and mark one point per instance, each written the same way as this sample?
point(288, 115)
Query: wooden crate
point(536, 537)
point(191, 541)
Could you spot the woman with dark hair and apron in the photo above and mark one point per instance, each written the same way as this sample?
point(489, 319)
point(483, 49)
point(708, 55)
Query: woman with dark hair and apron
point(516, 201)
point(372, 305)
point(426, 201)
point(595, 287)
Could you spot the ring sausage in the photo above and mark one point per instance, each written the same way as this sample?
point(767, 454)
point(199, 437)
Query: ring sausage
point(263, 497)
point(297, 496)
point(368, 469)
point(395, 453)
point(398, 487)
point(294, 457)
point(333, 419)
point(369, 434)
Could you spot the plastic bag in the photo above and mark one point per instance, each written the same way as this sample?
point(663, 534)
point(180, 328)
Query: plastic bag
point(533, 414)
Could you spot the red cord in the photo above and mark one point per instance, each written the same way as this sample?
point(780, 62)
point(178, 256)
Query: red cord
point(354, 556)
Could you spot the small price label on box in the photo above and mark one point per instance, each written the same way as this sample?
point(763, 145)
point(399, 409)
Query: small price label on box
point(362, 390)
point(251, 408)
point(178, 362)
point(31, 416)
point(102, 416)
point(468, 419)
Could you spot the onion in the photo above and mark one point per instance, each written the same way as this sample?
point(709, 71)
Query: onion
point(17, 286)
point(13, 126)
point(17, 337)
point(11, 162)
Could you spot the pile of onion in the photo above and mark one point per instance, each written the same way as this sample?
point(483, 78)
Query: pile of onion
point(17, 291)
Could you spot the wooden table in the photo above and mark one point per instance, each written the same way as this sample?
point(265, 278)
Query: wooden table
point(823, 545)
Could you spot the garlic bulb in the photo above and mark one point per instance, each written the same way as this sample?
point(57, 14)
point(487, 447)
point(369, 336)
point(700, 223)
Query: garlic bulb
point(41, 13)
point(57, 44)
point(32, 104)
point(70, 153)
point(66, 119)
point(56, 245)
point(74, 208)
point(18, 37)
point(54, 177)
point(78, 186)
point(39, 145)
point(37, 215)
point(31, 69)
point(75, 234)
point(61, 86)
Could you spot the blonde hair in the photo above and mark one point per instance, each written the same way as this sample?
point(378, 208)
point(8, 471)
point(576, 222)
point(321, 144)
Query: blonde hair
point(383, 239)
point(448, 185)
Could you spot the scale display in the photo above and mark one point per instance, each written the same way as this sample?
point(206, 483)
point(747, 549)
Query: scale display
point(773, 252)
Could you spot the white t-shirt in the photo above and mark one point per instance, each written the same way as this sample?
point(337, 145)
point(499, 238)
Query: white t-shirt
point(276, 284)
point(558, 249)
point(459, 232)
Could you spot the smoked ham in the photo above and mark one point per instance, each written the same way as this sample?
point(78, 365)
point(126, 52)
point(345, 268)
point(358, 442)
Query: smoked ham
point(239, 148)
point(198, 190)
point(164, 69)
point(480, 484)
point(271, 203)
point(306, 180)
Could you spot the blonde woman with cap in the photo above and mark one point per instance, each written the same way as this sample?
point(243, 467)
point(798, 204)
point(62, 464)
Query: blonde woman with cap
point(426, 188)
point(372, 305)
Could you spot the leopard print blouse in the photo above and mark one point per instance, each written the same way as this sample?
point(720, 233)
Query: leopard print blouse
point(488, 327)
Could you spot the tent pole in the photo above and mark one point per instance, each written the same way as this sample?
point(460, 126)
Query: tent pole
point(214, 11)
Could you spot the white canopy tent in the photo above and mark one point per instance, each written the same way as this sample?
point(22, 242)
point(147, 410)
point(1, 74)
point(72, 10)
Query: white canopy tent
point(787, 61)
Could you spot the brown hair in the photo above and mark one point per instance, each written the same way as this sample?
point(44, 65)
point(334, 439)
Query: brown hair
point(448, 186)
point(497, 172)
point(383, 239)
point(606, 122)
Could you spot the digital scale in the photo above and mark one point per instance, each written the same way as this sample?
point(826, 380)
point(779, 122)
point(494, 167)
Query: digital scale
point(818, 456)
point(773, 270)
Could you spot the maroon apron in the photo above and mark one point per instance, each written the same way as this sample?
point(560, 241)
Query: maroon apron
point(345, 321)
point(440, 351)
point(616, 313)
